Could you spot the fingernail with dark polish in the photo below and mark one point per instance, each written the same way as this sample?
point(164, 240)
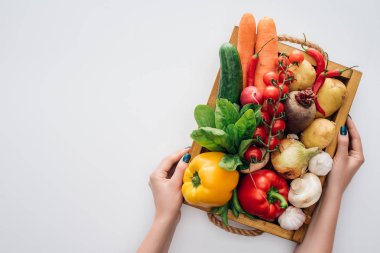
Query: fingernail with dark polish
point(188, 147)
point(343, 130)
point(186, 158)
point(349, 116)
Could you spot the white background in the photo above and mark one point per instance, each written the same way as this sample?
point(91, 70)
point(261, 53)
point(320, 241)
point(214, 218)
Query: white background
point(93, 94)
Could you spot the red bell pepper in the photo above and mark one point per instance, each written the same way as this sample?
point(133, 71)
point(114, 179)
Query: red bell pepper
point(263, 193)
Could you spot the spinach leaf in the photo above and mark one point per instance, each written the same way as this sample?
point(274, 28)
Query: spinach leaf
point(246, 125)
point(225, 113)
point(211, 138)
point(204, 116)
point(249, 106)
point(233, 138)
point(237, 106)
point(230, 162)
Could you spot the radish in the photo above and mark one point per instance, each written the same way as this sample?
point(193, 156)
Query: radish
point(251, 95)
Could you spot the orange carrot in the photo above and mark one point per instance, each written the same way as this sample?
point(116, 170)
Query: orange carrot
point(246, 42)
point(266, 30)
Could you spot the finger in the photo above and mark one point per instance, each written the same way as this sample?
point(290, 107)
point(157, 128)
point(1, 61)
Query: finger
point(343, 142)
point(180, 169)
point(166, 164)
point(355, 140)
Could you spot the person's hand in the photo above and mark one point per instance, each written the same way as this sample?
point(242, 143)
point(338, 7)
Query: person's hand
point(167, 190)
point(348, 158)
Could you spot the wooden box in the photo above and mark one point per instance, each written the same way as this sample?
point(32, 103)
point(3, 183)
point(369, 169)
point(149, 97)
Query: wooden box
point(351, 78)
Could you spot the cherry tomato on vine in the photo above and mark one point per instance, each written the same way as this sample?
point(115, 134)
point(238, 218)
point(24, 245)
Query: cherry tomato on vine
point(278, 126)
point(270, 77)
point(265, 116)
point(296, 57)
point(271, 92)
point(285, 89)
point(282, 61)
point(253, 154)
point(260, 132)
point(274, 142)
point(264, 107)
point(280, 109)
point(286, 78)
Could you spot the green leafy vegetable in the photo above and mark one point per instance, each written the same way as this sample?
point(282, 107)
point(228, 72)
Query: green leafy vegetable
point(211, 138)
point(227, 130)
point(233, 138)
point(255, 108)
point(204, 116)
point(225, 113)
point(230, 162)
point(246, 125)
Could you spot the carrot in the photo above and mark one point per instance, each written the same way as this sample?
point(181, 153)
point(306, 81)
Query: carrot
point(246, 42)
point(266, 30)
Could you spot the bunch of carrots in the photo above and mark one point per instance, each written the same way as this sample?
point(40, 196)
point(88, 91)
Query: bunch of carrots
point(250, 45)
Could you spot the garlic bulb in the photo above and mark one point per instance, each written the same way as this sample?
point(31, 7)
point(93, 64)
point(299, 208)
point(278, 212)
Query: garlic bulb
point(257, 166)
point(305, 191)
point(292, 218)
point(321, 164)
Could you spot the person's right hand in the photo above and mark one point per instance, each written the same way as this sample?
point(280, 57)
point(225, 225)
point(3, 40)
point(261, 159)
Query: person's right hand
point(348, 158)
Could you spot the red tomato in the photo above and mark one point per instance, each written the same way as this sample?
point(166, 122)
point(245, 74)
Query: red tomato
point(286, 78)
point(280, 109)
point(282, 61)
point(274, 142)
point(270, 77)
point(251, 95)
point(264, 107)
point(278, 126)
point(253, 154)
point(296, 57)
point(265, 116)
point(260, 132)
point(285, 89)
point(271, 92)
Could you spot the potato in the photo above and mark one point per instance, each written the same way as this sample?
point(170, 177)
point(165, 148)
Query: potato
point(319, 134)
point(304, 76)
point(330, 96)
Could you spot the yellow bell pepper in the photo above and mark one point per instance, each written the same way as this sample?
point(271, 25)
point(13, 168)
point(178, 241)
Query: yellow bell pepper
point(206, 184)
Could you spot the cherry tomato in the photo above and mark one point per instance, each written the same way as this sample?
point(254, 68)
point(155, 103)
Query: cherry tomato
point(260, 132)
point(280, 109)
point(285, 89)
point(270, 77)
point(253, 154)
point(274, 142)
point(296, 57)
point(282, 61)
point(265, 116)
point(286, 78)
point(278, 126)
point(264, 107)
point(271, 92)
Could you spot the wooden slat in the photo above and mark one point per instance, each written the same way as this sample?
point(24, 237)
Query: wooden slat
point(272, 228)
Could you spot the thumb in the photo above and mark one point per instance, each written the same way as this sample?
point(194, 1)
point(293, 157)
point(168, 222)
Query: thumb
point(180, 169)
point(343, 142)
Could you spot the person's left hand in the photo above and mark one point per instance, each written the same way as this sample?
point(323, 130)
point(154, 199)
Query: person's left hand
point(166, 191)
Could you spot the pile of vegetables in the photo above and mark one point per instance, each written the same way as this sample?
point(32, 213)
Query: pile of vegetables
point(264, 139)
